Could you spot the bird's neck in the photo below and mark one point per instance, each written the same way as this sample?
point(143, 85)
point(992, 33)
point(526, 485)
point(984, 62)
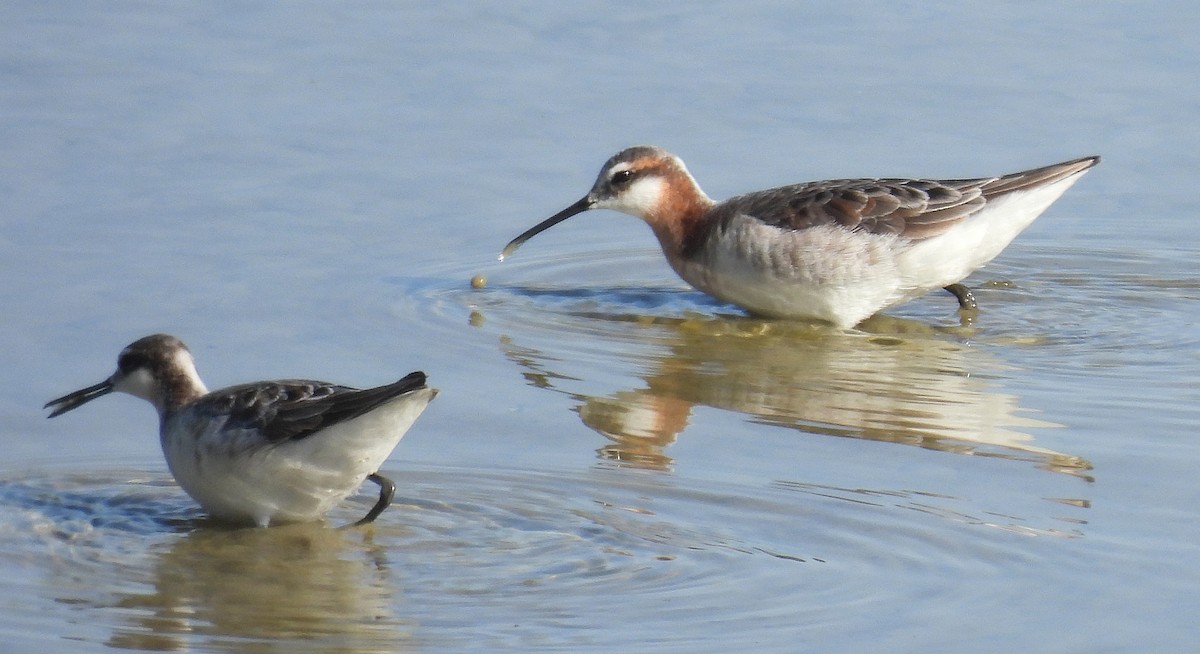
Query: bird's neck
point(680, 217)
point(179, 389)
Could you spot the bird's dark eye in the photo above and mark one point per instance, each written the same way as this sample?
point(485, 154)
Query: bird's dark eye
point(621, 178)
point(130, 361)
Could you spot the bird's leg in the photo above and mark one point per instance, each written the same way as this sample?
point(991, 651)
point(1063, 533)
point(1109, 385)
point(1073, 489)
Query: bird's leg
point(966, 300)
point(387, 489)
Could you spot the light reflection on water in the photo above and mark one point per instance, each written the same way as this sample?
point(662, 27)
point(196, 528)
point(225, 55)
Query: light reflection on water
point(498, 559)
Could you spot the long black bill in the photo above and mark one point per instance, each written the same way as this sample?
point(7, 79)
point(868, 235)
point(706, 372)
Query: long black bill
point(579, 207)
point(79, 398)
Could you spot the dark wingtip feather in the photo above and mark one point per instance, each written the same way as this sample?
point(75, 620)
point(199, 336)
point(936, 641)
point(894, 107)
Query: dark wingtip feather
point(411, 381)
point(1039, 176)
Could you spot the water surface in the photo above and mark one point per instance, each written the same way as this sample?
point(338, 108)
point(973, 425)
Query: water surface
point(616, 462)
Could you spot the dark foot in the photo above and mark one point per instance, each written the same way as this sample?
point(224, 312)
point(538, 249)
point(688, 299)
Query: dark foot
point(966, 300)
point(386, 490)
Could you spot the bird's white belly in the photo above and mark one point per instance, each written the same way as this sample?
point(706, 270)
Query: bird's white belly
point(824, 273)
point(237, 475)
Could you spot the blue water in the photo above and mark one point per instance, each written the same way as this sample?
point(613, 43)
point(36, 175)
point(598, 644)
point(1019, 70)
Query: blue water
point(615, 462)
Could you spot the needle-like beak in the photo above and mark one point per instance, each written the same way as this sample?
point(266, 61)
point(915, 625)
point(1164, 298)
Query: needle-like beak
point(79, 398)
point(581, 206)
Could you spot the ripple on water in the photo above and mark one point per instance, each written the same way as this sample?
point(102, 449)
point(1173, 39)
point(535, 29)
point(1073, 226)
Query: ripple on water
point(1104, 303)
point(638, 358)
point(559, 290)
point(488, 559)
point(1105, 299)
point(623, 554)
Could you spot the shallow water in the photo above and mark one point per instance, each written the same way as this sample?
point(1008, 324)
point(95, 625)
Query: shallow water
point(616, 462)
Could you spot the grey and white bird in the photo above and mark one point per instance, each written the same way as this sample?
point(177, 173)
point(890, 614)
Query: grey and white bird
point(836, 251)
point(265, 452)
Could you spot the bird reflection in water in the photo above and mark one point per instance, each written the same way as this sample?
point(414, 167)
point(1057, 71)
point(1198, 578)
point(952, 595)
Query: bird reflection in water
point(265, 590)
point(898, 383)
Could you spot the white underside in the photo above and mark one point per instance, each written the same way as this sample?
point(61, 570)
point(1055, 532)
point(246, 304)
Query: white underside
point(836, 276)
point(236, 476)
